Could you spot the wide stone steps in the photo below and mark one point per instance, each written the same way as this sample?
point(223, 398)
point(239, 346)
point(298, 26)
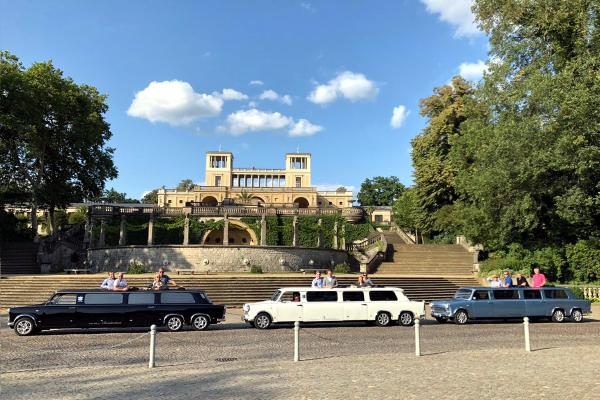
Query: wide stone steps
point(18, 258)
point(232, 291)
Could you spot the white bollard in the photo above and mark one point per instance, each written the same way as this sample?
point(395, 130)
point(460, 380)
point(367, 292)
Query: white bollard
point(417, 337)
point(152, 345)
point(296, 341)
point(526, 327)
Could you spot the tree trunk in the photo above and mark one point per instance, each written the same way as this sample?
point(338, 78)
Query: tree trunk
point(34, 221)
point(51, 221)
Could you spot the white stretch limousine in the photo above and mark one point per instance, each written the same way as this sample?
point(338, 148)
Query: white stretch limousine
point(381, 305)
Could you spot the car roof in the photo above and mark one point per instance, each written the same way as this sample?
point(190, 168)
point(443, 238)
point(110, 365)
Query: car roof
point(82, 291)
point(305, 288)
point(504, 288)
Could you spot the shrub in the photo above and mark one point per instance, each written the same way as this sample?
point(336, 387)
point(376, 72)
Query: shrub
point(578, 292)
point(256, 269)
point(342, 269)
point(584, 260)
point(135, 268)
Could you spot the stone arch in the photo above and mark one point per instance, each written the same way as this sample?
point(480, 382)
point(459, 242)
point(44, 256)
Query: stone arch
point(301, 202)
point(256, 200)
point(210, 201)
point(240, 234)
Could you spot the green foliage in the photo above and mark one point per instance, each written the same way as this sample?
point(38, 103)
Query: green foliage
point(13, 227)
point(578, 292)
point(112, 196)
point(78, 217)
point(405, 210)
point(584, 260)
point(342, 269)
point(380, 191)
point(357, 231)
point(151, 197)
point(135, 268)
point(185, 185)
point(244, 197)
point(256, 269)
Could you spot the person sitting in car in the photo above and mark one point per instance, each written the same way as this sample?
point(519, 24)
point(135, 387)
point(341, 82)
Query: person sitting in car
point(157, 284)
point(109, 283)
point(494, 281)
point(521, 280)
point(318, 281)
point(330, 281)
point(367, 282)
point(165, 279)
point(120, 283)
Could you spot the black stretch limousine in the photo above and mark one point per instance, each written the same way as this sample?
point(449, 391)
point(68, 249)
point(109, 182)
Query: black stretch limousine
point(99, 308)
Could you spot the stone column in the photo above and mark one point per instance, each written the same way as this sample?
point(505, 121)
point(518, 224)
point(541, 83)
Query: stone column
point(263, 231)
point(186, 230)
point(102, 238)
point(335, 234)
point(320, 237)
point(343, 237)
point(226, 231)
point(123, 232)
point(151, 231)
point(88, 236)
point(295, 230)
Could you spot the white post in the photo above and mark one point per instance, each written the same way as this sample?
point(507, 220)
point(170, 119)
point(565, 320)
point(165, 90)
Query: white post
point(296, 341)
point(152, 345)
point(526, 327)
point(417, 337)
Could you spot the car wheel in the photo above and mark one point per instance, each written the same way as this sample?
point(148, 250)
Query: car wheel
point(200, 322)
point(24, 326)
point(406, 318)
point(441, 320)
point(382, 319)
point(576, 315)
point(174, 323)
point(262, 321)
point(558, 316)
point(461, 317)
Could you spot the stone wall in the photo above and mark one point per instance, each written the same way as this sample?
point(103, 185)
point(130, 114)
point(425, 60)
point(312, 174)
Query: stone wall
point(214, 258)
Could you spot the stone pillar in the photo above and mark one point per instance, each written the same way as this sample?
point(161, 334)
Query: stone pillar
point(186, 230)
point(151, 231)
point(343, 237)
point(123, 232)
point(102, 238)
point(335, 234)
point(226, 231)
point(320, 237)
point(88, 237)
point(295, 229)
point(263, 231)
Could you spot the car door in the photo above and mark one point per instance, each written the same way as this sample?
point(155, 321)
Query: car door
point(356, 307)
point(555, 298)
point(482, 305)
point(322, 305)
point(382, 300)
point(288, 308)
point(141, 309)
point(507, 303)
point(535, 305)
point(101, 309)
point(61, 312)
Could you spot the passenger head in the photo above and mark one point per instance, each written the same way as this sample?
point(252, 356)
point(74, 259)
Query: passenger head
point(318, 274)
point(111, 275)
point(161, 270)
point(506, 273)
point(121, 275)
point(495, 277)
point(157, 277)
point(536, 270)
point(329, 272)
point(519, 275)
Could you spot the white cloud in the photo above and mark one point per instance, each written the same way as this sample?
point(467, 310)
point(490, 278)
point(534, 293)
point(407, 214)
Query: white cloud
point(308, 7)
point(399, 115)
point(254, 120)
point(455, 12)
point(252, 104)
point(231, 94)
point(331, 187)
point(349, 85)
point(256, 82)
point(472, 71)
point(274, 96)
point(304, 128)
point(174, 102)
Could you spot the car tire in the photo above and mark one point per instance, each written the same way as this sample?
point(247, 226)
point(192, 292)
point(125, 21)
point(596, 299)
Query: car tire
point(576, 315)
point(25, 326)
point(461, 317)
point(441, 320)
point(200, 322)
point(262, 321)
point(406, 318)
point(558, 315)
point(383, 319)
point(174, 323)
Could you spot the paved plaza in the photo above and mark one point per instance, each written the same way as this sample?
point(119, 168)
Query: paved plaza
point(484, 360)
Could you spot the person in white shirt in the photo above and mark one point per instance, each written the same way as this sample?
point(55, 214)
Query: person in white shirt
point(330, 281)
point(494, 281)
point(109, 283)
point(121, 283)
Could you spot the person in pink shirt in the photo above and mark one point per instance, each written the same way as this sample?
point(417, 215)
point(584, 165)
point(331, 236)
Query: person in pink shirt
point(537, 279)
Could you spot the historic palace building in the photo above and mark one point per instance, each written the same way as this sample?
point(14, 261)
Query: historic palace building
point(287, 187)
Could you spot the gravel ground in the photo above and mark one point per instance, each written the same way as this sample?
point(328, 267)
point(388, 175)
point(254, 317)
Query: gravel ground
point(230, 360)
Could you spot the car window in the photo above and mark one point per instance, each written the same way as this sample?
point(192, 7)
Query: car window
point(481, 295)
point(506, 294)
point(103, 298)
point(323, 295)
point(463, 294)
point(276, 295)
point(555, 294)
point(532, 294)
point(68, 299)
point(382, 295)
point(141, 298)
point(354, 296)
point(177, 298)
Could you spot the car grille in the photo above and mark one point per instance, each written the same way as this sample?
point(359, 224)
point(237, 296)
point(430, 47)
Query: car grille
point(438, 309)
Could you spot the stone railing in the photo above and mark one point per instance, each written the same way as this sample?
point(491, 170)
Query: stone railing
point(590, 292)
point(369, 252)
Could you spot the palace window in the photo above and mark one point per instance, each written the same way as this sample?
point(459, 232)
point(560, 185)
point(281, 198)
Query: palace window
point(217, 181)
point(298, 181)
point(218, 161)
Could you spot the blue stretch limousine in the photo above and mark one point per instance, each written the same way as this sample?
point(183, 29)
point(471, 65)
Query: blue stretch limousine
point(555, 303)
point(98, 308)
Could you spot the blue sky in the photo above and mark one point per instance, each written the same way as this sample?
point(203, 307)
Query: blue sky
point(257, 78)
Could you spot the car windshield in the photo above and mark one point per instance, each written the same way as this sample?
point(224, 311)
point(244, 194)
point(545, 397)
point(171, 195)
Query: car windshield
point(463, 294)
point(276, 295)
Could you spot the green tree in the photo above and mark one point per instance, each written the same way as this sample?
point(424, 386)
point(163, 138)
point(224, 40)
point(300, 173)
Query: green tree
point(185, 185)
point(113, 196)
point(245, 196)
point(405, 210)
point(52, 137)
point(380, 191)
point(151, 197)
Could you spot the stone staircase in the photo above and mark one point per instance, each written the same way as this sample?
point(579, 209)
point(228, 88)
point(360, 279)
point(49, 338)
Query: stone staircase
point(19, 258)
point(425, 259)
point(223, 289)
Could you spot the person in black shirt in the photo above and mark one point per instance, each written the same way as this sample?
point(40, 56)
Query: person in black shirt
point(522, 281)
